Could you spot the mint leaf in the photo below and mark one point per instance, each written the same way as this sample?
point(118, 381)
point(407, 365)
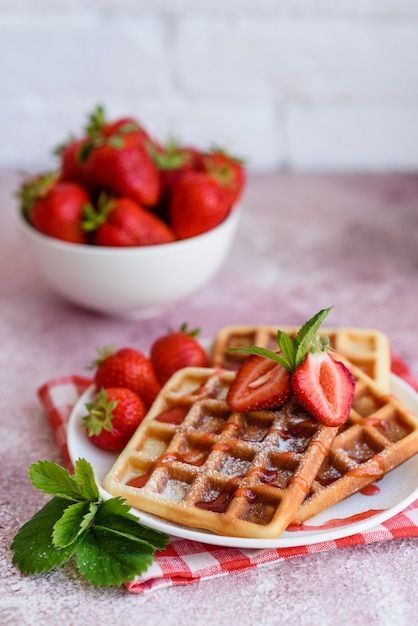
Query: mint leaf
point(106, 558)
point(269, 354)
point(33, 547)
point(76, 518)
point(54, 479)
point(287, 346)
point(307, 334)
point(84, 476)
point(114, 514)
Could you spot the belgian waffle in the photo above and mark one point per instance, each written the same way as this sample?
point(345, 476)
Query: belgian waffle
point(366, 348)
point(196, 462)
point(378, 436)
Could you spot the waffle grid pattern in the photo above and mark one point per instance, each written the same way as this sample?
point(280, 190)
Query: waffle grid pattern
point(239, 474)
point(378, 436)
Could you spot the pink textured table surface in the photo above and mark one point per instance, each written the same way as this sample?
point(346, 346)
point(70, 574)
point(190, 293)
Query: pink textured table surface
point(304, 242)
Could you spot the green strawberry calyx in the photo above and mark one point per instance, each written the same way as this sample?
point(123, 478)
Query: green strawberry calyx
point(183, 329)
point(95, 138)
point(172, 157)
point(94, 217)
point(34, 188)
point(96, 121)
point(233, 158)
point(100, 414)
point(103, 354)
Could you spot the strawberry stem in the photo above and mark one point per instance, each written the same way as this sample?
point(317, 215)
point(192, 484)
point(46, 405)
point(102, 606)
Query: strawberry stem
point(33, 188)
point(171, 158)
point(96, 121)
point(103, 354)
point(93, 218)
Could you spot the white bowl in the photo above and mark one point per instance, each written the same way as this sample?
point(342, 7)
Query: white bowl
point(137, 282)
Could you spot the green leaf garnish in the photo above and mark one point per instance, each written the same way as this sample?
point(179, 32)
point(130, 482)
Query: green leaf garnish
point(307, 333)
point(74, 520)
point(115, 514)
point(293, 350)
point(54, 479)
point(84, 477)
point(106, 558)
point(110, 544)
point(33, 545)
point(286, 345)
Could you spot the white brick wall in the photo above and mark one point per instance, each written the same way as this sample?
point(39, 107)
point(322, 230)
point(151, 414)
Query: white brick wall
point(297, 84)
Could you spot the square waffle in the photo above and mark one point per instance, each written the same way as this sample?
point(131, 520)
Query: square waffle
point(196, 462)
point(378, 436)
point(366, 348)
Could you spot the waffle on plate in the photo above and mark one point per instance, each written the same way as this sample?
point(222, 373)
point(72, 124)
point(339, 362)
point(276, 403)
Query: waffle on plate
point(196, 462)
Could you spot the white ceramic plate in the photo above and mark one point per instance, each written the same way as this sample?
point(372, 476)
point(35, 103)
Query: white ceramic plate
point(357, 514)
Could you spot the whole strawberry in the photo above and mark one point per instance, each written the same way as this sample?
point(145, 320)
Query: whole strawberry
point(228, 167)
point(123, 222)
point(113, 417)
point(199, 202)
point(72, 161)
point(128, 368)
point(172, 160)
point(55, 208)
point(121, 164)
point(176, 350)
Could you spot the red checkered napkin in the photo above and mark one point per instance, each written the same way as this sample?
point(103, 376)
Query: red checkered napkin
point(185, 562)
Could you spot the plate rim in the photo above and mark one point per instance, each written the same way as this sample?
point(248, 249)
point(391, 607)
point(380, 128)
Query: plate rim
point(288, 539)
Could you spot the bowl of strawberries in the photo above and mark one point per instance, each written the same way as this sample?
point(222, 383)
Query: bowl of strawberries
point(127, 226)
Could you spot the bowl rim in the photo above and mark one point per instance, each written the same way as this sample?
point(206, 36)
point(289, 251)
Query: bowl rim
point(88, 249)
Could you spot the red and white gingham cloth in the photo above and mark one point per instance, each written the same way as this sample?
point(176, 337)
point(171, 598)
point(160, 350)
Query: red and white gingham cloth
point(185, 562)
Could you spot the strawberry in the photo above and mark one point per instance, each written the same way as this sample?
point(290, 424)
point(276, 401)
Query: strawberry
point(172, 161)
point(113, 417)
point(199, 202)
point(323, 385)
point(55, 208)
point(176, 350)
point(123, 222)
point(260, 383)
point(122, 165)
point(229, 168)
point(72, 163)
point(74, 153)
point(128, 368)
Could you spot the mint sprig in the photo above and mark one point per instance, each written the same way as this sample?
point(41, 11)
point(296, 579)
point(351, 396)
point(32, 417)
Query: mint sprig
point(293, 350)
point(111, 546)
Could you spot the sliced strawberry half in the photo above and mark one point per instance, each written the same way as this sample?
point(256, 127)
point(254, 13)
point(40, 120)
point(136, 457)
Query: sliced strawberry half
point(260, 383)
point(325, 387)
